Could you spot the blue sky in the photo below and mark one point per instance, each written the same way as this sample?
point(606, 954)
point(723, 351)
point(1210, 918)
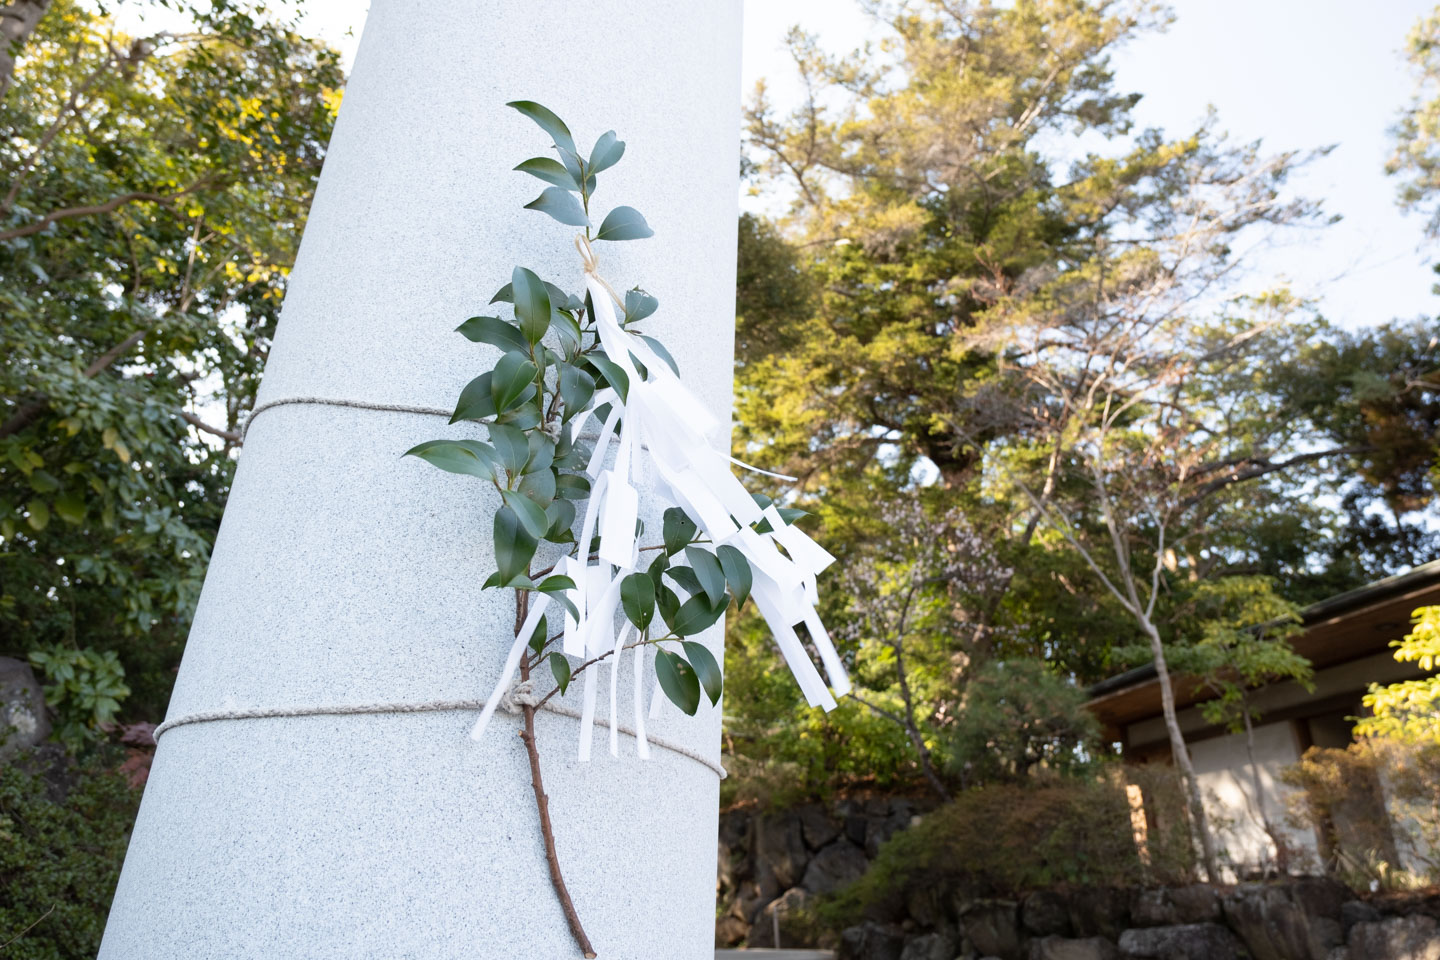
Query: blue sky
point(1298, 74)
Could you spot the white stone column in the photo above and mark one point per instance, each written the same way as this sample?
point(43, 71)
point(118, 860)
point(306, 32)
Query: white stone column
point(344, 574)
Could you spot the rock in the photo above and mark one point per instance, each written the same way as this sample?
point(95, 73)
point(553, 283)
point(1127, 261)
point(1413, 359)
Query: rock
point(884, 822)
point(816, 825)
point(1396, 938)
point(1045, 914)
point(1152, 908)
point(855, 830)
point(1298, 921)
point(1059, 948)
point(870, 941)
point(993, 926)
point(796, 925)
point(23, 720)
point(1099, 912)
point(780, 851)
point(1189, 941)
point(931, 946)
point(730, 930)
point(1356, 911)
point(836, 866)
point(1196, 903)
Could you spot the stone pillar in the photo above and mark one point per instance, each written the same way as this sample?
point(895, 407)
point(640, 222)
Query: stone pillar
point(344, 574)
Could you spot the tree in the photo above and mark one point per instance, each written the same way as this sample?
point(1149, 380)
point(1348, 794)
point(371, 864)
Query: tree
point(154, 192)
point(1416, 158)
point(1409, 711)
point(1245, 644)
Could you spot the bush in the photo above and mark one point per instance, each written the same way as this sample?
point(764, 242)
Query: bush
point(63, 834)
point(1006, 839)
point(1376, 808)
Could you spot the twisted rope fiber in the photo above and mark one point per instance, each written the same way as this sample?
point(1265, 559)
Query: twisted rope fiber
point(518, 697)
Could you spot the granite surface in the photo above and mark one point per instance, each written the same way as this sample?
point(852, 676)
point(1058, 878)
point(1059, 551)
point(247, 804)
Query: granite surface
point(345, 574)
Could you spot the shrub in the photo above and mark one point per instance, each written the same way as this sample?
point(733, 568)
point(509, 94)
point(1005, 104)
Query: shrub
point(1376, 808)
point(63, 834)
point(1006, 839)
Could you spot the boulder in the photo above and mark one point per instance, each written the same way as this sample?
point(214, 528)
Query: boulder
point(1298, 921)
point(780, 851)
point(1099, 912)
point(1175, 906)
point(1396, 938)
point(870, 941)
point(1060, 948)
point(796, 924)
point(730, 930)
point(1356, 911)
point(23, 720)
point(993, 926)
point(930, 946)
point(1045, 914)
point(836, 866)
point(817, 827)
point(1187, 941)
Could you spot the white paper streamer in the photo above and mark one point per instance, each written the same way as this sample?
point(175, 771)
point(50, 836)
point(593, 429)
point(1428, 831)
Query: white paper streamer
point(674, 426)
point(538, 602)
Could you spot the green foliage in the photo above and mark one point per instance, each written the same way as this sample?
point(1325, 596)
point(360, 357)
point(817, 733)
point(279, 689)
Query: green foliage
point(83, 687)
point(1007, 839)
point(543, 384)
point(1416, 158)
point(1017, 719)
point(62, 840)
point(155, 190)
point(1409, 711)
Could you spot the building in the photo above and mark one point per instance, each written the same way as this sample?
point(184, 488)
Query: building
point(1347, 639)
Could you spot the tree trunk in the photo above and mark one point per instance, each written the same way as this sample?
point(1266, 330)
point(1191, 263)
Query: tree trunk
point(1200, 824)
point(17, 22)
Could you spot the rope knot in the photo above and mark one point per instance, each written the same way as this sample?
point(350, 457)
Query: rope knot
point(520, 695)
point(587, 255)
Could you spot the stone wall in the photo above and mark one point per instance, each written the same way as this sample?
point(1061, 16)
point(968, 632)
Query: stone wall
point(781, 861)
point(1298, 919)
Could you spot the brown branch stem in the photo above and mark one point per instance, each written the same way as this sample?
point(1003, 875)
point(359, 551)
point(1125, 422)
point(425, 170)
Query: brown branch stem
point(542, 802)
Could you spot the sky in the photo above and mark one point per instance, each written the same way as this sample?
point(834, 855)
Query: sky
point(1296, 74)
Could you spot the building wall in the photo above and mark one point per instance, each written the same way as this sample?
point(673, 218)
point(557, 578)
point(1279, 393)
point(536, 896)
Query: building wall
point(1223, 768)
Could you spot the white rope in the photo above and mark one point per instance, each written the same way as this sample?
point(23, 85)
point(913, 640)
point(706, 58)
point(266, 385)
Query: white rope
point(518, 696)
point(332, 402)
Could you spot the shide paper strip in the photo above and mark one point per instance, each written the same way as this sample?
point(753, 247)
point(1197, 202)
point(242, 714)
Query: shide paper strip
point(659, 413)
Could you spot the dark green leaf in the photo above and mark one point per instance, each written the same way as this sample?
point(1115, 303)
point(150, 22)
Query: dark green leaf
point(555, 587)
point(512, 445)
point(706, 669)
point(476, 400)
point(624, 223)
point(678, 530)
point(532, 304)
point(737, 572)
point(540, 452)
point(458, 456)
point(539, 485)
point(707, 569)
point(505, 294)
point(541, 634)
point(531, 514)
point(560, 669)
point(562, 518)
point(639, 305)
point(685, 576)
point(561, 205)
point(678, 681)
point(668, 602)
point(607, 152)
point(511, 378)
point(494, 331)
point(572, 486)
point(613, 375)
point(695, 615)
point(514, 547)
point(551, 171)
point(637, 596)
point(576, 389)
point(547, 121)
point(662, 353)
